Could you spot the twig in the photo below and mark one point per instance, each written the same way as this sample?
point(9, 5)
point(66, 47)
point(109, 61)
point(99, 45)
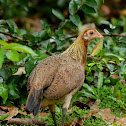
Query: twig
point(65, 38)
point(19, 38)
point(73, 14)
point(113, 35)
point(48, 52)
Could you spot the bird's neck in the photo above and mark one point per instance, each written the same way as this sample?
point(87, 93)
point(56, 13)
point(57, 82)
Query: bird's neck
point(78, 50)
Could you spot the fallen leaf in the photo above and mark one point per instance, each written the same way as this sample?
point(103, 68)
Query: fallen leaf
point(97, 48)
point(43, 107)
point(2, 112)
point(105, 113)
point(21, 71)
point(4, 108)
point(13, 112)
point(90, 102)
point(44, 114)
point(115, 76)
point(25, 113)
point(73, 122)
point(80, 121)
point(120, 121)
point(95, 105)
point(80, 104)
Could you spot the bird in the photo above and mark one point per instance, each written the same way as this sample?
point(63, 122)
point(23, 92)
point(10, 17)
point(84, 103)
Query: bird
point(58, 77)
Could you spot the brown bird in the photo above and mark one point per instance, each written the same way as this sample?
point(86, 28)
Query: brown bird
point(57, 78)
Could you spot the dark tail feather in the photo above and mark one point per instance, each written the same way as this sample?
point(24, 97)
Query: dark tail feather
point(37, 107)
point(34, 101)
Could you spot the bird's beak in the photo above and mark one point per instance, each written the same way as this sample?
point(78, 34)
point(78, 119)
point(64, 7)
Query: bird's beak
point(99, 36)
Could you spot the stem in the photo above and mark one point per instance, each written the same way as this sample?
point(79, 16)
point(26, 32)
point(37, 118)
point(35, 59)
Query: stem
point(18, 38)
point(96, 58)
point(73, 14)
point(114, 35)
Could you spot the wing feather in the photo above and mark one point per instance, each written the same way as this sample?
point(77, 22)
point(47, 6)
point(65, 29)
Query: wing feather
point(68, 77)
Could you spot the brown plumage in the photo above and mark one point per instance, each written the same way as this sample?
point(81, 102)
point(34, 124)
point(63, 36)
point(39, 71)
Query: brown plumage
point(57, 78)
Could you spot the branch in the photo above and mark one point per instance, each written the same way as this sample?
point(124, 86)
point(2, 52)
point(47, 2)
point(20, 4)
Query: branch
point(19, 121)
point(101, 33)
point(18, 38)
point(113, 35)
point(48, 52)
point(73, 14)
point(96, 58)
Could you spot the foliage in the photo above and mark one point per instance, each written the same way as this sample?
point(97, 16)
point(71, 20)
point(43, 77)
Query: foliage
point(26, 48)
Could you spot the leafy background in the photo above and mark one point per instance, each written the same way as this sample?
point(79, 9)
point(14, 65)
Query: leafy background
point(38, 29)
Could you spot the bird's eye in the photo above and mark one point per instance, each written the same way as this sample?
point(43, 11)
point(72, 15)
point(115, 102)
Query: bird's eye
point(91, 32)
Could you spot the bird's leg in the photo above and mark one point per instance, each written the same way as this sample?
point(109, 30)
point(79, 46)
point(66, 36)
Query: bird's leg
point(52, 110)
point(65, 108)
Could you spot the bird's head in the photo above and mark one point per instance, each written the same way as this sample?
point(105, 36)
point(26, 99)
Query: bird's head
point(90, 34)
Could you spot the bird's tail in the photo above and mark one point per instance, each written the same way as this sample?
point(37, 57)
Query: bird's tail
point(34, 101)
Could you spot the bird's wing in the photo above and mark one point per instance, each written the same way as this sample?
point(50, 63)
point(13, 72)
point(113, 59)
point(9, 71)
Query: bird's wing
point(42, 75)
point(68, 77)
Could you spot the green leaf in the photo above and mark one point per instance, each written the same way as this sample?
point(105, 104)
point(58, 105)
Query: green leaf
point(88, 10)
point(29, 66)
point(22, 55)
point(3, 42)
point(90, 78)
point(112, 57)
point(3, 37)
point(12, 25)
point(43, 57)
point(43, 33)
point(58, 14)
point(123, 69)
point(10, 46)
point(72, 7)
point(87, 94)
point(108, 23)
point(70, 25)
point(2, 22)
point(44, 24)
point(4, 92)
point(107, 32)
point(1, 57)
point(19, 47)
point(100, 82)
point(91, 3)
point(24, 48)
point(13, 91)
point(3, 117)
point(29, 37)
point(78, 2)
point(75, 19)
point(13, 55)
point(111, 67)
point(88, 88)
point(5, 72)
